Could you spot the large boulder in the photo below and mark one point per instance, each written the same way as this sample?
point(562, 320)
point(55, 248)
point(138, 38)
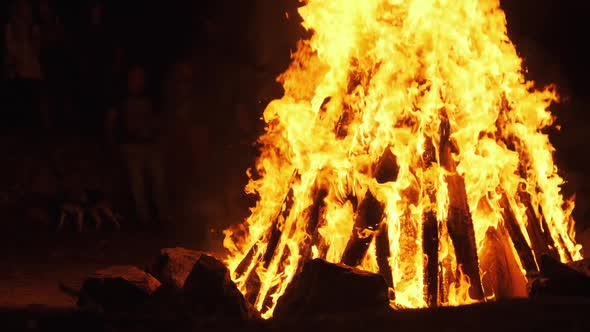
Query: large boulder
point(582, 266)
point(209, 291)
point(325, 289)
point(173, 265)
point(558, 279)
point(118, 289)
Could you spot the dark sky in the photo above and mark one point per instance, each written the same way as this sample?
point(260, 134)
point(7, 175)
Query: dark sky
point(558, 31)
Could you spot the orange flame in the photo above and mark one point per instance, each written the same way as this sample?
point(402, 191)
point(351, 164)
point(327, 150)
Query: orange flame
point(385, 74)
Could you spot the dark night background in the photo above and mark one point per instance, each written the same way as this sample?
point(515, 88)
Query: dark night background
point(235, 49)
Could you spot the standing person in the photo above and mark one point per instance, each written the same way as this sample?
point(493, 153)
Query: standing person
point(22, 43)
point(133, 125)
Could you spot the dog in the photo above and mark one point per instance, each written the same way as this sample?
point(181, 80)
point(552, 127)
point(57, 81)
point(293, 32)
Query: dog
point(92, 204)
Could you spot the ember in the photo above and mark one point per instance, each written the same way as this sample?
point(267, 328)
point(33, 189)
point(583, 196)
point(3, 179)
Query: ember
point(408, 143)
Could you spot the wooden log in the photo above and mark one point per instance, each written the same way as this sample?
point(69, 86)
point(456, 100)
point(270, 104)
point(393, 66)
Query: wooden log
point(430, 248)
point(314, 215)
point(272, 237)
point(446, 278)
point(383, 253)
point(368, 217)
point(246, 261)
point(459, 223)
point(267, 303)
point(540, 243)
point(386, 169)
point(502, 277)
point(518, 240)
point(253, 284)
point(550, 241)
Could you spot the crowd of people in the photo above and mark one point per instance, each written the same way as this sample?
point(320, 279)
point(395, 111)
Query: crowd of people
point(172, 127)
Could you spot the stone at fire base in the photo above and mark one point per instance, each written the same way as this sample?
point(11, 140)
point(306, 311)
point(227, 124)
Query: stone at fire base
point(582, 266)
point(558, 279)
point(118, 289)
point(209, 292)
point(325, 289)
point(173, 265)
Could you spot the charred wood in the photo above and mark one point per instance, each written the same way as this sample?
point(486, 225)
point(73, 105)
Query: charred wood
point(246, 261)
point(459, 223)
point(273, 235)
point(383, 254)
point(315, 220)
point(268, 300)
point(386, 169)
point(276, 231)
point(368, 217)
point(539, 242)
point(501, 277)
point(430, 248)
point(518, 240)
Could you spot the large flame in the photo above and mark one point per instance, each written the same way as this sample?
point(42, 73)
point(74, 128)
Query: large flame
point(435, 90)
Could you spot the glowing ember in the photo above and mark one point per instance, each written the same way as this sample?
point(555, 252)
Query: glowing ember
point(408, 143)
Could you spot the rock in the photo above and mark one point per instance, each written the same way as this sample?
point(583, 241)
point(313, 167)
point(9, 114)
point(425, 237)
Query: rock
point(327, 289)
point(118, 289)
point(209, 291)
point(173, 265)
point(583, 238)
point(168, 301)
point(558, 279)
point(582, 266)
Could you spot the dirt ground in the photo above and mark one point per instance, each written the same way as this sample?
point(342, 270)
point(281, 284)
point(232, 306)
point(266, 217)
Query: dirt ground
point(32, 269)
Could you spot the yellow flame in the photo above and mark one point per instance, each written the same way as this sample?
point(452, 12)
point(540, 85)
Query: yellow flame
point(377, 75)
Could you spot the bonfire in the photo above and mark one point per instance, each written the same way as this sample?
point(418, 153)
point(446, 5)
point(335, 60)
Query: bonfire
point(410, 144)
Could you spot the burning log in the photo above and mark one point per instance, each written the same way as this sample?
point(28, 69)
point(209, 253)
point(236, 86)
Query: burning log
point(520, 244)
point(459, 221)
point(268, 298)
point(386, 169)
point(314, 213)
point(541, 241)
point(246, 261)
point(368, 217)
point(273, 236)
point(383, 254)
point(276, 231)
point(502, 277)
point(430, 248)
point(430, 235)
